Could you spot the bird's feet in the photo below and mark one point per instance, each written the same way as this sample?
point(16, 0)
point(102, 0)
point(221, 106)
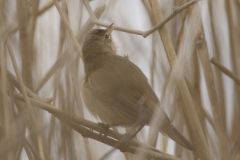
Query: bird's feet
point(106, 127)
point(124, 143)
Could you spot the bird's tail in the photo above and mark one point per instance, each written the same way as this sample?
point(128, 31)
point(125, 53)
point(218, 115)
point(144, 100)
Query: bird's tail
point(173, 133)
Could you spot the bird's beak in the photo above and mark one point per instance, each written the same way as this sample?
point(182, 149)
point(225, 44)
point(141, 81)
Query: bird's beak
point(110, 28)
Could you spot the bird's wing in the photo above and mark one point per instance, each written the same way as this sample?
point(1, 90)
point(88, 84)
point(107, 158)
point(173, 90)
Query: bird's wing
point(121, 83)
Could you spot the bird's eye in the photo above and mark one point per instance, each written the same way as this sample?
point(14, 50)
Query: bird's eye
point(107, 36)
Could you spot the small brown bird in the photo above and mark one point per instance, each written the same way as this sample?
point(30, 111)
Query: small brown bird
point(114, 86)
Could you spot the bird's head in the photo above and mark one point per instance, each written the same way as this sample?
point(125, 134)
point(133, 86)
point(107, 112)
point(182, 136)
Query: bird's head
point(98, 41)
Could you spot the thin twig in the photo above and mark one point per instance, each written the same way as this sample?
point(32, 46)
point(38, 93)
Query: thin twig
point(28, 151)
point(199, 139)
point(225, 70)
point(4, 89)
point(220, 132)
point(216, 49)
point(75, 42)
point(148, 154)
point(174, 13)
point(12, 29)
point(143, 33)
point(80, 125)
point(26, 98)
point(79, 120)
point(63, 58)
point(232, 9)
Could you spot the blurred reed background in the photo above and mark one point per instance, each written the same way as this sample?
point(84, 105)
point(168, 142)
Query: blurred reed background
point(37, 51)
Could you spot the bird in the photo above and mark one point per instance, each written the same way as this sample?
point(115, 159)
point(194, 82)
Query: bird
point(116, 91)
